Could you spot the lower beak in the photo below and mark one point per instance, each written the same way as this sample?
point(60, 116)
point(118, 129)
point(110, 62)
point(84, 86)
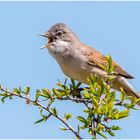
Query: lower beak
point(45, 46)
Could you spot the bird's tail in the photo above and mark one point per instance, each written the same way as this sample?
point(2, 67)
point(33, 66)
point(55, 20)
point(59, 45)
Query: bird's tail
point(127, 87)
point(130, 91)
point(134, 94)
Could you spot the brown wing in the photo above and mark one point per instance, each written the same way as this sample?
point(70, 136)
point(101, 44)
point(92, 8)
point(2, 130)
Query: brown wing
point(95, 58)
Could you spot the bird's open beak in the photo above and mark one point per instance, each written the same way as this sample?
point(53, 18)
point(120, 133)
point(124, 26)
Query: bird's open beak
point(44, 46)
point(49, 40)
point(45, 35)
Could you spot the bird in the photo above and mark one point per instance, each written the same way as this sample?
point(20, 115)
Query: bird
point(78, 60)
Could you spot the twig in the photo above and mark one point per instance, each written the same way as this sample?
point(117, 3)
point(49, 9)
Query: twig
point(97, 121)
point(93, 127)
point(45, 108)
point(77, 100)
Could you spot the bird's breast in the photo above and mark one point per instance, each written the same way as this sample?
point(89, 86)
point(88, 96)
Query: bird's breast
point(74, 64)
point(78, 69)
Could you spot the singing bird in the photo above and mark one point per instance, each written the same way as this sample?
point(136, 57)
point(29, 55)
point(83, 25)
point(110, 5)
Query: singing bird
point(78, 60)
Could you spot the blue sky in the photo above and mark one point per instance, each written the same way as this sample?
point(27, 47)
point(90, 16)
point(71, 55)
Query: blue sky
point(110, 27)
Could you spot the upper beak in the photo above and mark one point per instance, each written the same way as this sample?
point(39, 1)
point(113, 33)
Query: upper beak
point(45, 35)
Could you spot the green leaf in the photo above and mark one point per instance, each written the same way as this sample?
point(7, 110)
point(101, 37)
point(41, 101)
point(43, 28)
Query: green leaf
point(90, 131)
point(47, 93)
point(86, 95)
point(44, 94)
point(128, 98)
point(43, 119)
point(27, 90)
point(37, 94)
point(110, 107)
point(73, 83)
point(92, 79)
point(78, 85)
point(110, 132)
point(63, 128)
point(101, 127)
point(109, 66)
point(122, 94)
point(101, 134)
point(102, 109)
point(123, 114)
point(41, 113)
point(111, 96)
point(120, 115)
point(93, 91)
point(115, 111)
point(81, 119)
point(102, 87)
point(114, 117)
point(133, 101)
point(54, 111)
point(17, 90)
point(57, 93)
point(137, 100)
point(66, 92)
point(115, 127)
point(51, 101)
point(1, 94)
point(94, 102)
point(102, 66)
point(59, 84)
point(39, 121)
point(3, 99)
point(67, 116)
point(84, 127)
point(88, 111)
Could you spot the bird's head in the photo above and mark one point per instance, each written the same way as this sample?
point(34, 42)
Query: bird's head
point(59, 32)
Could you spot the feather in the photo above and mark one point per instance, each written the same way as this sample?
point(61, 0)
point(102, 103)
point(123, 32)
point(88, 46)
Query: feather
point(95, 58)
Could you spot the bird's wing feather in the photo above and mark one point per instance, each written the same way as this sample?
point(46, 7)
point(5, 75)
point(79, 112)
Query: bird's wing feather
point(95, 58)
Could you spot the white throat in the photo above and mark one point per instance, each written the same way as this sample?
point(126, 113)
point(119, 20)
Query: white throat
point(59, 46)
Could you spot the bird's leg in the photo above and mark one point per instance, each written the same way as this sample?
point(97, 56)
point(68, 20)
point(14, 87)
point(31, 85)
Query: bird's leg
point(76, 93)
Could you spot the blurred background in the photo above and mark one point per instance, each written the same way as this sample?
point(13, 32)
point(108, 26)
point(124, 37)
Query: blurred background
point(110, 27)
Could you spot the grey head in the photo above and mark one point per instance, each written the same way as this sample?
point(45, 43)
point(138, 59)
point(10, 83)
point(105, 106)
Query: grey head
point(60, 32)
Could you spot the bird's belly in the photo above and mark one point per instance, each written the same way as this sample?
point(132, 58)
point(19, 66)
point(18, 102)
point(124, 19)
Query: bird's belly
point(80, 71)
point(76, 73)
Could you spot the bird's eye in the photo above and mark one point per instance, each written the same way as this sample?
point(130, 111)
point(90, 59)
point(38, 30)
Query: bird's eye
point(59, 33)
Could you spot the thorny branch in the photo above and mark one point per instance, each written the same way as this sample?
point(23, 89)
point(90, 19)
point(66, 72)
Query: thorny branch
point(43, 107)
point(100, 101)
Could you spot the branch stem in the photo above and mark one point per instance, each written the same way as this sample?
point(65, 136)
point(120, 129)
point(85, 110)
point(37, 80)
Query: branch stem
point(43, 107)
